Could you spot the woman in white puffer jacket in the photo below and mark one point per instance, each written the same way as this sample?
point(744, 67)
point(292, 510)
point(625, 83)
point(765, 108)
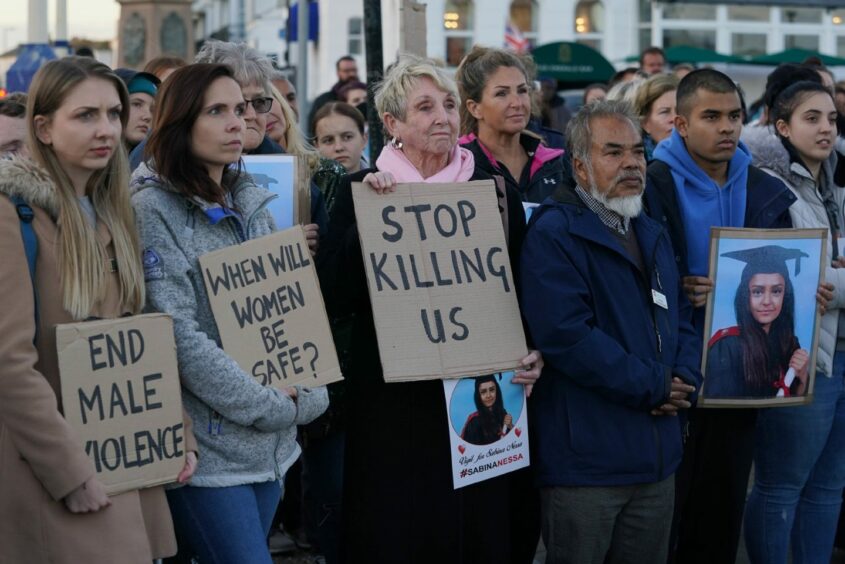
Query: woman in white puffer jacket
point(800, 451)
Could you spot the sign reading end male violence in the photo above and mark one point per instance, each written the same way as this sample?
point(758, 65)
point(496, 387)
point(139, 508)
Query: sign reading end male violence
point(266, 301)
point(120, 391)
point(440, 280)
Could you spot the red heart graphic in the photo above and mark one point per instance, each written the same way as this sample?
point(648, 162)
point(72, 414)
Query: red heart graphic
point(518, 431)
point(461, 448)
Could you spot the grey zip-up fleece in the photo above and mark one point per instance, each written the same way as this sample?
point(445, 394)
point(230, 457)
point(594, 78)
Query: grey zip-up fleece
point(246, 432)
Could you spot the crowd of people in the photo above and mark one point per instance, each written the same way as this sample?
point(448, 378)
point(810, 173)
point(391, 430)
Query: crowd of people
point(130, 177)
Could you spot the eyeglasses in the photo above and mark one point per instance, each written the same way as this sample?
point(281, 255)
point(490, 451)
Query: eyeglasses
point(260, 105)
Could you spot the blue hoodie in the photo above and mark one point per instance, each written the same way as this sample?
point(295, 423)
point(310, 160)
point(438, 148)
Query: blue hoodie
point(703, 203)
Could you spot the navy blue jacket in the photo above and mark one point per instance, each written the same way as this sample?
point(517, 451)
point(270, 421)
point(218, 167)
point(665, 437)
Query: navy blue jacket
point(610, 352)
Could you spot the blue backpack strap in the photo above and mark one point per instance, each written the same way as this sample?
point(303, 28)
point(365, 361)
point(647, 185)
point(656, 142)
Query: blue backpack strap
point(30, 245)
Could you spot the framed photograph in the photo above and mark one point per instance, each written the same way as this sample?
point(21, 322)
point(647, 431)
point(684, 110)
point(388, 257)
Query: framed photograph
point(762, 321)
point(282, 175)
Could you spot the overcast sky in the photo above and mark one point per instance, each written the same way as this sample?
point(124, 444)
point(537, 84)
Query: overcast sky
point(92, 19)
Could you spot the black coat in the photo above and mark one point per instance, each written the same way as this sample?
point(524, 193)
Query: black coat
point(399, 504)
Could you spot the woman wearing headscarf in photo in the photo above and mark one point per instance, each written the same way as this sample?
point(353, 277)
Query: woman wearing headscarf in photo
point(489, 422)
point(399, 503)
point(760, 357)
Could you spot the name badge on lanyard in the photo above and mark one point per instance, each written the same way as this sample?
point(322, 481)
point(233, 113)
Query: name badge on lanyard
point(659, 299)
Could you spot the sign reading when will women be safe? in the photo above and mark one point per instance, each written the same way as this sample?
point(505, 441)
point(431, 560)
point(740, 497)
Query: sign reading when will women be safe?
point(269, 310)
point(440, 280)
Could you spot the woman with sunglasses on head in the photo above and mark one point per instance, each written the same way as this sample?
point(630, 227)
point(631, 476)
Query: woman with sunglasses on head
point(194, 201)
point(53, 508)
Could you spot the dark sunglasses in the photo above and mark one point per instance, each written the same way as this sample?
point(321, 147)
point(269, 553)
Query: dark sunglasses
point(260, 105)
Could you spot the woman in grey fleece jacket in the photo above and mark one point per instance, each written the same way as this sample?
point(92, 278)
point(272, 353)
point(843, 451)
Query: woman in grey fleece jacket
point(191, 204)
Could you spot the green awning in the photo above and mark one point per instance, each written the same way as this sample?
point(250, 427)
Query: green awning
point(572, 63)
point(795, 56)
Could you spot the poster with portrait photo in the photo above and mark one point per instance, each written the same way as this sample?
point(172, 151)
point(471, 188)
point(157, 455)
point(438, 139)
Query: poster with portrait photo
point(488, 427)
point(762, 319)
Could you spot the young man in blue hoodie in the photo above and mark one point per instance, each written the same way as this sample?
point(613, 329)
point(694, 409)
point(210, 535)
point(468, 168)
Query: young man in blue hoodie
point(701, 178)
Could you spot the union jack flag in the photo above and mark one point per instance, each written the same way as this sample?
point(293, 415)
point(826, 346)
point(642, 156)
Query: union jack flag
point(514, 40)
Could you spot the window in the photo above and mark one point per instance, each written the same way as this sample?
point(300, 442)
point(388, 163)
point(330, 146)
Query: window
point(809, 42)
point(750, 44)
point(589, 17)
point(675, 11)
point(645, 11)
point(356, 36)
point(838, 17)
point(840, 46)
point(695, 38)
point(458, 25)
point(645, 38)
point(749, 13)
point(801, 15)
point(523, 15)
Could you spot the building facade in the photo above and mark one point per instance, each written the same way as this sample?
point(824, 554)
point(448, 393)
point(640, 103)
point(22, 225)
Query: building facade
point(617, 28)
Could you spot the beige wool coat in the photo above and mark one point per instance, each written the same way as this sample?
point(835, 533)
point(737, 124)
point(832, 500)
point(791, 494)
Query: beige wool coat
point(41, 458)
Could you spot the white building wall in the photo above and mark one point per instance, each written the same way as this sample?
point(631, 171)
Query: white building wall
point(555, 22)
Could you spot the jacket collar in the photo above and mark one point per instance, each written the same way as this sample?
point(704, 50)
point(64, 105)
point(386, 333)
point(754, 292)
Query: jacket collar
point(537, 152)
point(587, 225)
point(22, 177)
point(246, 195)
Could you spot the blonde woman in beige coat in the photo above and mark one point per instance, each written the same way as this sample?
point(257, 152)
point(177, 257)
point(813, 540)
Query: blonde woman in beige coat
point(52, 506)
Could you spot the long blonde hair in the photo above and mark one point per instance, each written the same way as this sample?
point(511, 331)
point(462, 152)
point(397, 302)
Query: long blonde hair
point(82, 258)
point(295, 143)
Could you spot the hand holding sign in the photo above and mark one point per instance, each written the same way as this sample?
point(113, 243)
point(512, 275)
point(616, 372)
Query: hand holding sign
point(120, 385)
point(269, 310)
point(439, 279)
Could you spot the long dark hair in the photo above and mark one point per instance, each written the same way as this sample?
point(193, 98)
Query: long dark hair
point(493, 418)
point(179, 104)
point(764, 356)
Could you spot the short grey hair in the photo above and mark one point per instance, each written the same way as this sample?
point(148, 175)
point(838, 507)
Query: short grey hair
point(579, 136)
point(401, 79)
point(248, 64)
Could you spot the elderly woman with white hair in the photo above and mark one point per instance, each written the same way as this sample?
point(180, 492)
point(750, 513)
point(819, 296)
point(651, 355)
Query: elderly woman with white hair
point(399, 502)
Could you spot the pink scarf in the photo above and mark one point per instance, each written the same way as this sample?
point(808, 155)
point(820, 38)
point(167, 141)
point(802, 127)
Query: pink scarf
point(460, 168)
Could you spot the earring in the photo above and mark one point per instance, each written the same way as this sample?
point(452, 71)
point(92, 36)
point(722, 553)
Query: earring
point(396, 143)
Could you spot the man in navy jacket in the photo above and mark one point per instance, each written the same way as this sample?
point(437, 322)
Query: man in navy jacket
point(603, 302)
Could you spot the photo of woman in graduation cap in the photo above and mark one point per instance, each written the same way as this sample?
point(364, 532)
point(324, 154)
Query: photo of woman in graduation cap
point(760, 357)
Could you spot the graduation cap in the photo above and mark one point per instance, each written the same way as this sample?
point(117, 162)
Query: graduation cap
point(770, 258)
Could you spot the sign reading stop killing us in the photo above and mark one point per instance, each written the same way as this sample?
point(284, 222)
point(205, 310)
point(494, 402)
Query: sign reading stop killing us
point(120, 391)
point(269, 311)
point(440, 281)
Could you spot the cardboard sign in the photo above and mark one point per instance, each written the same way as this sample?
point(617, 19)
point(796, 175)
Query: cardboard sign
point(121, 393)
point(440, 281)
point(269, 310)
point(283, 175)
point(486, 445)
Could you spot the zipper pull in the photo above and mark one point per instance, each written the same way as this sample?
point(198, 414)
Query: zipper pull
point(659, 340)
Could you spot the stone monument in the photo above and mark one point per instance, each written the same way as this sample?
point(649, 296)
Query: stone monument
point(149, 28)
